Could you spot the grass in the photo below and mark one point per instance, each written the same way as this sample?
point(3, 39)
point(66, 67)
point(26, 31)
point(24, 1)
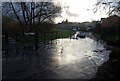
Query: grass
point(55, 34)
point(64, 33)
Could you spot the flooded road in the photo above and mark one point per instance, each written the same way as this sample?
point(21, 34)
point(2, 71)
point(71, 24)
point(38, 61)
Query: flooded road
point(63, 59)
point(77, 58)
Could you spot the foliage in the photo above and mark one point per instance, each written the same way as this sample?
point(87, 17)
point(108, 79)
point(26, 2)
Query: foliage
point(10, 25)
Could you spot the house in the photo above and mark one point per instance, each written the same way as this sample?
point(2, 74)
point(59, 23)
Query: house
point(112, 21)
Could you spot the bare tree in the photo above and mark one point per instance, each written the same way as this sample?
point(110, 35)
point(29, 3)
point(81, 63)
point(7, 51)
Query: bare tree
point(111, 7)
point(31, 14)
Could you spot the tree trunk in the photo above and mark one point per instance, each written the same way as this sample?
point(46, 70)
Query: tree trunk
point(36, 40)
point(6, 38)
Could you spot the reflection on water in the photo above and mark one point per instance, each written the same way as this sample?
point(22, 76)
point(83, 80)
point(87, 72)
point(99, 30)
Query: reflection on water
point(69, 50)
point(64, 58)
point(79, 57)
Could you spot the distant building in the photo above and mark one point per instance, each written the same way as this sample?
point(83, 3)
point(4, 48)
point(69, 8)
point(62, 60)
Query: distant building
point(71, 25)
point(112, 21)
point(66, 26)
point(76, 25)
point(90, 25)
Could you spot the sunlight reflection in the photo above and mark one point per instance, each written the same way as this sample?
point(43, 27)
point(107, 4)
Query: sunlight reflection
point(69, 52)
point(79, 58)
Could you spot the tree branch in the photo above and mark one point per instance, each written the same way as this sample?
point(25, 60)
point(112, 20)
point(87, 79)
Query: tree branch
point(15, 13)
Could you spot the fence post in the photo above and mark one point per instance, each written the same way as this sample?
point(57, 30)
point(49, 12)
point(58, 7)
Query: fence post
point(44, 38)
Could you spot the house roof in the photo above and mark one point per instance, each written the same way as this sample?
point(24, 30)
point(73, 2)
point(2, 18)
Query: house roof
point(110, 17)
point(114, 16)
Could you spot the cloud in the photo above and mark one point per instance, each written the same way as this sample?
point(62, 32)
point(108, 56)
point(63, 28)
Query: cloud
point(72, 14)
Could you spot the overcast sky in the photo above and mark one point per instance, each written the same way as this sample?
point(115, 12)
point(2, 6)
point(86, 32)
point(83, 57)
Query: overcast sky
point(77, 10)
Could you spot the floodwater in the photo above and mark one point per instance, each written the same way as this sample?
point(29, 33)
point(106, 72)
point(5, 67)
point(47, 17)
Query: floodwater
point(63, 59)
point(77, 59)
